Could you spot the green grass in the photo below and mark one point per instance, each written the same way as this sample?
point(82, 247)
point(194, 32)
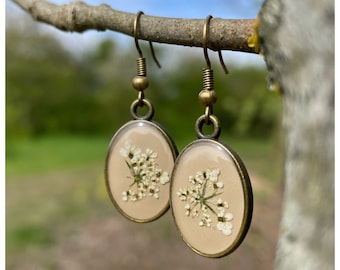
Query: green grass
point(262, 156)
point(30, 234)
point(46, 154)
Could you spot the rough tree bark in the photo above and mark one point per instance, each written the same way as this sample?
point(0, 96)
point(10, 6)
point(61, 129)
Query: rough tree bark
point(78, 17)
point(297, 41)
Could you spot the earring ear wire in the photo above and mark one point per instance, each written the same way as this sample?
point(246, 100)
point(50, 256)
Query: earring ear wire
point(135, 33)
point(205, 40)
point(200, 183)
point(141, 155)
point(205, 46)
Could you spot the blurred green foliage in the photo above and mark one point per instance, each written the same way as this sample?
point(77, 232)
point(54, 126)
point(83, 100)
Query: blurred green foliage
point(48, 91)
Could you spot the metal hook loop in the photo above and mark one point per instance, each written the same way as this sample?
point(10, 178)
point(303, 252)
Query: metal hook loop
point(205, 40)
point(135, 30)
point(205, 46)
point(222, 62)
point(135, 33)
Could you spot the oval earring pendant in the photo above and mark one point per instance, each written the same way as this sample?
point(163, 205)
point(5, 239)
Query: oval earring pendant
point(138, 165)
point(211, 198)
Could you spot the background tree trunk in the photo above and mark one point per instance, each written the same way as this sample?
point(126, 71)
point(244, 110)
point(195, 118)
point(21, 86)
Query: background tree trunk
point(297, 40)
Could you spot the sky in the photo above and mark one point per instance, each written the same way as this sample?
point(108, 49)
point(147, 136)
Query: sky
point(184, 9)
point(79, 43)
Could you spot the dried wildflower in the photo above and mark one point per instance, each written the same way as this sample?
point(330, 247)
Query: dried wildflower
point(146, 177)
point(202, 202)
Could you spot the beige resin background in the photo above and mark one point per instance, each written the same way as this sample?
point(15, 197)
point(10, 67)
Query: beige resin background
point(198, 157)
point(142, 134)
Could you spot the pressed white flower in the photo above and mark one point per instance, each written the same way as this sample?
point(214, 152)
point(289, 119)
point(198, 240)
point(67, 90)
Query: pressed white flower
point(135, 170)
point(128, 150)
point(213, 174)
point(223, 217)
point(222, 205)
point(164, 178)
point(195, 213)
point(157, 173)
point(205, 221)
point(150, 154)
point(125, 150)
point(219, 185)
point(225, 227)
point(229, 216)
point(153, 192)
point(140, 195)
point(201, 201)
point(145, 174)
point(200, 177)
point(214, 183)
point(188, 210)
point(125, 196)
point(183, 194)
point(204, 208)
point(135, 155)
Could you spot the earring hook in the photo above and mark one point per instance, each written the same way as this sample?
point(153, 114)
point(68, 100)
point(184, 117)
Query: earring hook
point(205, 46)
point(205, 41)
point(135, 33)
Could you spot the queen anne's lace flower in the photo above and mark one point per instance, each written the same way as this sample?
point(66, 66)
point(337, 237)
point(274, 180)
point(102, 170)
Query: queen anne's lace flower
point(146, 177)
point(164, 178)
point(225, 227)
point(202, 202)
point(222, 205)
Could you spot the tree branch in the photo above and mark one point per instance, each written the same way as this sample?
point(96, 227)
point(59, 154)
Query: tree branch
point(79, 17)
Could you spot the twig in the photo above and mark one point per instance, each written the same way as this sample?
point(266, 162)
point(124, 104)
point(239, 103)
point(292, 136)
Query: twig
point(224, 34)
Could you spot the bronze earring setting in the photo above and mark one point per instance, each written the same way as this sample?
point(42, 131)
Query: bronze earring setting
point(140, 157)
point(211, 195)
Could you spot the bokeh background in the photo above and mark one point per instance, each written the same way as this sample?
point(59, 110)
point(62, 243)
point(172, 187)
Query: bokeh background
point(68, 93)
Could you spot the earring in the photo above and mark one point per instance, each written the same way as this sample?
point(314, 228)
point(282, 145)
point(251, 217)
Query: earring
point(140, 157)
point(211, 195)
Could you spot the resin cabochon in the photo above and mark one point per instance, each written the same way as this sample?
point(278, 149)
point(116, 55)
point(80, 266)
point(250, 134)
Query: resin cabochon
point(143, 134)
point(208, 154)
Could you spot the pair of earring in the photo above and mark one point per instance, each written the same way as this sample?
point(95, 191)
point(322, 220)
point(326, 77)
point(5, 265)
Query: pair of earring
point(206, 185)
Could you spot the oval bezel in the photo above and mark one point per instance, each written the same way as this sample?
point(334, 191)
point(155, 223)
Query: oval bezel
point(246, 191)
point(140, 127)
